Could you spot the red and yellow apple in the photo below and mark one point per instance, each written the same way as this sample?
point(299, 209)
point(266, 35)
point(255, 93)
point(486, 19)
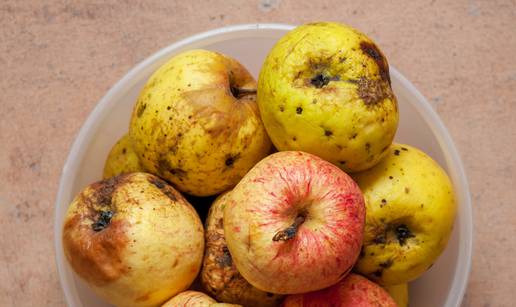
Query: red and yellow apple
point(134, 239)
point(353, 291)
point(294, 223)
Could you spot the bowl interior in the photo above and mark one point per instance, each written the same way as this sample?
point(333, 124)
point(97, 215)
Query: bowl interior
point(442, 285)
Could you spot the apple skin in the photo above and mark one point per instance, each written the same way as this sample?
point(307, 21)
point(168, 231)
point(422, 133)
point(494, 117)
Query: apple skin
point(352, 291)
point(411, 207)
point(294, 223)
point(219, 274)
point(190, 299)
point(325, 88)
point(196, 123)
point(134, 239)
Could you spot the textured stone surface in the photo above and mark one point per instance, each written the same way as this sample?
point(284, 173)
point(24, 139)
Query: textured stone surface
point(58, 58)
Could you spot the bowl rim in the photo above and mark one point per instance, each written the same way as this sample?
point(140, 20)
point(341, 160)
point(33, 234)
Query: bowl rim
point(83, 137)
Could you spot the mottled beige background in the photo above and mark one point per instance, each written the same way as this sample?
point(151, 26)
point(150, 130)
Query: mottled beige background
point(58, 58)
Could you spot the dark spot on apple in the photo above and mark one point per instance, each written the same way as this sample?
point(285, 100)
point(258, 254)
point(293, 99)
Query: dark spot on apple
point(422, 206)
point(299, 110)
point(404, 149)
point(314, 101)
point(390, 177)
point(269, 294)
point(169, 107)
point(403, 233)
point(407, 190)
point(379, 239)
point(102, 221)
point(353, 136)
point(294, 139)
point(386, 264)
point(373, 52)
point(378, 273)
point(373, 91)
point(396, 152)
point(241, 92)
point(229, 161)
point(281, 108)
point(367, 146)
point(328, 133)
point(163, 186)
point(124, 151)
point(384, 202)
point(141, 109)
point(342, 162)
point(225, 260)
point(320, 80)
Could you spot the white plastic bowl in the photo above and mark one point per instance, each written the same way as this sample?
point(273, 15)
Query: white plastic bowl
point(443, 285)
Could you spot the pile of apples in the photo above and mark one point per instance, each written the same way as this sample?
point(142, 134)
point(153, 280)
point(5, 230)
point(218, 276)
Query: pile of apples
point(310, 201)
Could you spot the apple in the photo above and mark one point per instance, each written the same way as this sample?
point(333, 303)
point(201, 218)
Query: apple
point(190, 299)
point(196, 123)
point(399, 293)
point(294, 223)
point(410, 208)
point(325, 89)
point(121, 159)
point(134, 239)
point(354, 290)
point(219, 274)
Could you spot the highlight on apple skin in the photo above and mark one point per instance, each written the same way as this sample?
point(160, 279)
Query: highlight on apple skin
point(294, 223)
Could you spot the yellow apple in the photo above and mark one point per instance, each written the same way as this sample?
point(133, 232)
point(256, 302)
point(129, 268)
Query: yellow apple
point(196, 123)
point(325, 89)
point(219, 274)
point(399, 294)
point(122, 159)
point(410, 208)
point(294, 223)
point(134, 239)
point(190, 299)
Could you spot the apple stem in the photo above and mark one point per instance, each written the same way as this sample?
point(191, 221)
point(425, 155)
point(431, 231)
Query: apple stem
point(241, 92)
point(289, 232)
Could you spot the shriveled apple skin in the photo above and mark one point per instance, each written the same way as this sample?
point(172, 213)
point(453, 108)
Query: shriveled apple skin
point(399, 294)
point(190, 299)
point(188, 128)
point(134, 239)
point(353, 291)
point(219, 274)
point(122, 159)
point(284, 189)
point(411, 208)
point(325, 89)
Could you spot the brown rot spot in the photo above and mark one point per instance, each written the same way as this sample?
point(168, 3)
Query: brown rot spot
point(328, 133)
point(169, 107)
point(124, 151)
point(225, 260)
point(373, 91)
point(379, 239)
point(403, 233)
point(383, 203)
point(373, 52)
point(294, 139)
point(390, 177)
point(407, 190)
point(396, 152)
point(386, 264)
point(299, 110)
point(320, 80)
point(140, 109)
point(164, 187)
point(103, 220)
point(290, 232)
